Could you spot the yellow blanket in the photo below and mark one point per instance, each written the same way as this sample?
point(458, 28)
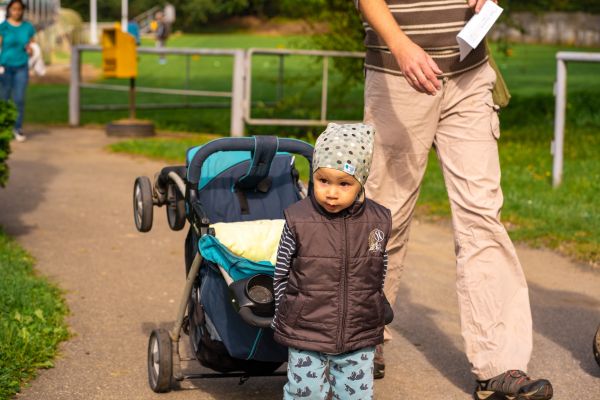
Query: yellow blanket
point(254, 240)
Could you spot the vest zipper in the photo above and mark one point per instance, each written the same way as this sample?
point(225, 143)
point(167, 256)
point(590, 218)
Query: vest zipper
point(344, 286)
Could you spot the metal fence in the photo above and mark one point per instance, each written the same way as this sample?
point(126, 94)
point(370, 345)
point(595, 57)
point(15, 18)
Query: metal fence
point(326, 55)
point(560, 90)
point(235, 95)
point(240, 95)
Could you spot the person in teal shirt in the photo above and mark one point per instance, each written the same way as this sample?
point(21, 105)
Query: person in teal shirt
point(16, 36)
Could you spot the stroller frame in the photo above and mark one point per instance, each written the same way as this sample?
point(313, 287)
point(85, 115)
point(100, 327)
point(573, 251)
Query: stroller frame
point(172, 190)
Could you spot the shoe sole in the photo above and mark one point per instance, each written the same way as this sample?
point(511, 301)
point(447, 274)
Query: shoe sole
point(541, 393)
point(485, 395)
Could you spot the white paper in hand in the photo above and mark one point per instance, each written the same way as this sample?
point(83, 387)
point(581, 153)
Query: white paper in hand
point(477, 27)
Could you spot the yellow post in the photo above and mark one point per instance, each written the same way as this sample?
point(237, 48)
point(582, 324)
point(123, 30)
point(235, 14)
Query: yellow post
point(119, 60)
point(119, 56)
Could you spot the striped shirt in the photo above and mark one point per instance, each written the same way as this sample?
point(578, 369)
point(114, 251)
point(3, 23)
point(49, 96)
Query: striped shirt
point(285, 252)
point(431, 24)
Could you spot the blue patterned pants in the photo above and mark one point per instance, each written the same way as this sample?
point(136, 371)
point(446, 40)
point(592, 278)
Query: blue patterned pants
point(312, 375)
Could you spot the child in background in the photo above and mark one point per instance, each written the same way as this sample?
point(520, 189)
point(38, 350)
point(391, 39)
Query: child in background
point(330, 271)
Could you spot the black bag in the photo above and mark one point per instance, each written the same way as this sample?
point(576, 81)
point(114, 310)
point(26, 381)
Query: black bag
point(388, 312)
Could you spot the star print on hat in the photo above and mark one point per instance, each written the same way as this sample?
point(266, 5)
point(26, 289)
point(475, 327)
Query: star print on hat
point(347, 148)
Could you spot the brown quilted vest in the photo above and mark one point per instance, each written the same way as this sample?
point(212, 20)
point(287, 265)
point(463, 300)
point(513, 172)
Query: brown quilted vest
point(333, 301)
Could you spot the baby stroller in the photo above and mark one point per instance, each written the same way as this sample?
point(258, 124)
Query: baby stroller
point(228, 302)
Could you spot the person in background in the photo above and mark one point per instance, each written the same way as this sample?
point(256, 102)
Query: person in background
point(419, 95)
point(329, 304)
point(134, 30)
point(161, 34)
point(16, 36)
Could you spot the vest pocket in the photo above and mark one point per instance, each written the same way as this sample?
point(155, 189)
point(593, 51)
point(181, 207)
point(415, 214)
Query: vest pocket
point(319, 311)
point(292, 307)
point(368, 310)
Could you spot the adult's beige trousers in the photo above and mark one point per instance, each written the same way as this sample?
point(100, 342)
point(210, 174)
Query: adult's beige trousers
point(461, 122)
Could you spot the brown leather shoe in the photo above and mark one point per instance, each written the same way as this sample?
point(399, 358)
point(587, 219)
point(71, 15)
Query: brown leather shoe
point(378, 363)
point(513, 384)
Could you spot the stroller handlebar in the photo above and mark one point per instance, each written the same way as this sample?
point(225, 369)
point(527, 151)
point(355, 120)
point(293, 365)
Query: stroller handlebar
point(241, 144)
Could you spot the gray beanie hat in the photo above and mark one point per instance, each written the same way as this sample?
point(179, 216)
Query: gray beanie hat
point(347, 148)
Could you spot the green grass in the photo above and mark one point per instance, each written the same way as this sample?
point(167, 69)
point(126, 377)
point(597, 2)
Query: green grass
point(32, 316)
point(564, 219)
point(173, 150)
point(301, 88)
point(567, 218)
point(162, 148)
point(529, 71)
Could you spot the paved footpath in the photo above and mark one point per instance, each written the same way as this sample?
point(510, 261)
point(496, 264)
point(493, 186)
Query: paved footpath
point(68, 202)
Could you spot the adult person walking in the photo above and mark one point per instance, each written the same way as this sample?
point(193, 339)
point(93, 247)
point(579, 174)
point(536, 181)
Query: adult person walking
point(16, 36)
point(418, 95)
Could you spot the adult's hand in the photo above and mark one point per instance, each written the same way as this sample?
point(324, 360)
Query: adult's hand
point(418, 68)
point(477, 4)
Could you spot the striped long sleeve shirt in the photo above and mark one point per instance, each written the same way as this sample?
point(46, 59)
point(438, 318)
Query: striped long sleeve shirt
point(285, 252)
point(431, 24)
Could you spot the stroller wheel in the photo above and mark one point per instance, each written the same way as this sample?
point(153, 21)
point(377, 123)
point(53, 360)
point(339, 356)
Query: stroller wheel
point(160, 362)
point(597, 345)
point(142, 204)
point(175, 208)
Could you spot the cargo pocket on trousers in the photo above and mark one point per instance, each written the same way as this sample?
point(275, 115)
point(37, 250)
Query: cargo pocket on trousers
point(494, 120)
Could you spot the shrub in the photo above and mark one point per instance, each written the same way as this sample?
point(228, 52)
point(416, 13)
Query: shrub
point(32, 313)
point(8, 115)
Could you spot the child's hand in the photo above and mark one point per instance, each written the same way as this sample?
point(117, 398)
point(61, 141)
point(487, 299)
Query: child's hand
point(28, 48)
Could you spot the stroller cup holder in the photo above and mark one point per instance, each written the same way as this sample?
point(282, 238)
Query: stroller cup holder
point(254, 299)
point(259, 290)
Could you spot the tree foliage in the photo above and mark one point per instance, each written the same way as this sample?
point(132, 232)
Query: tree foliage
point(190, 13)
point(589, 6)
point(108, 10)
point(193, 13)
point(346, 34)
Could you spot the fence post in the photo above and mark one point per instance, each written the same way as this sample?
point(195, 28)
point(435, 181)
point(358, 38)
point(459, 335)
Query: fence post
point(324, 85)
point(237, 95)
point(280, 77)
point(559, 121)
point(74, 106)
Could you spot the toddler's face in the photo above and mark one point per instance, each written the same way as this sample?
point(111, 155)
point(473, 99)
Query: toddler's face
point(335, 190)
